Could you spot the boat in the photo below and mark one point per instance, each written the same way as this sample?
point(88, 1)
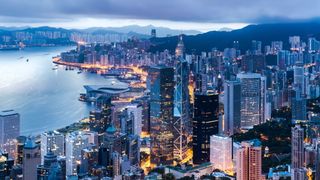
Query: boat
point(79, 72)
point(27, 60)
point(55, 68)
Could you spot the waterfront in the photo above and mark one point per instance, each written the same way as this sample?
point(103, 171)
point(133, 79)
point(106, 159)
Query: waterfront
point(46, 99)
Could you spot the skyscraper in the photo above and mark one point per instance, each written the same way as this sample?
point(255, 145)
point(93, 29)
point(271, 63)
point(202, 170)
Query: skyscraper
point(182, 126)
point(180, 47)
point(101, 118)
point(52, 141)
point(205, 123)
point(9, 130)
point(153, 33)
point(253, 99)
point(221, 152)
point(297, 148)
point(31, 159)
point(249, 161)
point(134, 112)
point(232, 105)
point(75, 142)
point(161, 86)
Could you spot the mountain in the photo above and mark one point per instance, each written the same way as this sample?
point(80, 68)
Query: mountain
point(146, 30)
point(222, 39)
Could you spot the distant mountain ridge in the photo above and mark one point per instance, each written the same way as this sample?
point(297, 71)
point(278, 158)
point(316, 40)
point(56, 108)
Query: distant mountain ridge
point(161, 31)
point(222, 39)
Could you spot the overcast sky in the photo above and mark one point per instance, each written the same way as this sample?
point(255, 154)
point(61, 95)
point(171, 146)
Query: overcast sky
point(200, 15)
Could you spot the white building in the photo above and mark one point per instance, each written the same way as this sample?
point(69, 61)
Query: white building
point(52, 141)
point(75, 142)
point(221, 152)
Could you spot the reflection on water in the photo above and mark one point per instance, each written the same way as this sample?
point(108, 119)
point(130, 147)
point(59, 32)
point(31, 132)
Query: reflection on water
point(46, 99)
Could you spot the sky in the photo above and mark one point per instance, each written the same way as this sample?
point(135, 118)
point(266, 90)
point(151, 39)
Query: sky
point(202, 15)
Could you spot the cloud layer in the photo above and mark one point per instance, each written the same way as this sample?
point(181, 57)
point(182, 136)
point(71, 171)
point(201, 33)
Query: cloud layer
point(213, 11)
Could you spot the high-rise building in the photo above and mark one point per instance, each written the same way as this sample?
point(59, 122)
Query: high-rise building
point(153, 33)
point(253, 99)
point(101, 118)
point(180, 47)
point(299, 80)
point(6, 164)
point(182, 126)
point(297, 147)
point(221, 152)
point(232, 105)
point(298, 105)
point(249, 161)
point(133, 150)
point(50, 168)
point(89, 159)
point(31, 159)
point(161, 86)
point(52, 141)
point(205, 124)
point(134, 113)
point(256, 48)
point(9, 130)
point(75, 142)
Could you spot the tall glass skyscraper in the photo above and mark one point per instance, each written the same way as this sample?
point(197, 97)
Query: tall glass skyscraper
point(161, 84)
point(232, 104)
point(182, 128)
point(253, 99)
point(205, 124)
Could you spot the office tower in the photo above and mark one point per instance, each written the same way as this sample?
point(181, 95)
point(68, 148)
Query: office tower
point(89, 159)
point(161, 86)
point(205, 124)
point(153, 33)
point(113, 142)
point(232, 105)
point(133, 150)
point(9, 130)
point(62, 161)
point(299, 80)
point(253, 63)
point(299, 174)
point(52, 141)
point(256, 47)
point(6, 164)
point(31, 159)
point(253, 99)
point(50, 168)
point(297, 147)
point(21, 140)
point(249, 161)
point(298, 105)
point(182, 126)
point(313, 45)
point(276, 46)
point(180, 47)
point(134, 113)
point(295, 43)
point(144, 101)
point(221, 152)
point(75, 142)
point(101, 118)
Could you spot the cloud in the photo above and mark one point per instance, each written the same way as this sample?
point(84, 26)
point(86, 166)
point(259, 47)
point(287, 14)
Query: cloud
point(211, 11)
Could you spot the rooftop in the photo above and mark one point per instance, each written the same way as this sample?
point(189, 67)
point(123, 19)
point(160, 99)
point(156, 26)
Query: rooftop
point(8, 113)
